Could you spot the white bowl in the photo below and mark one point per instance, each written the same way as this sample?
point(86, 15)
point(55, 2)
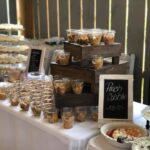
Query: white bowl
point(114, 125)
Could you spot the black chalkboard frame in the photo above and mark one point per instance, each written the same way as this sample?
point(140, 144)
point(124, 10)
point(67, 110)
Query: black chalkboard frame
point(102, 119)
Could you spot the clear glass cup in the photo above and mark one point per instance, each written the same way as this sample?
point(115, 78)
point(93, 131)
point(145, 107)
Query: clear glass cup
point(72, 35)
point(94, 113)
point(80, 113)
point(68, 121)
point(83, 37)
point(67, 111)
point(52, 116)
point(63, 58)
point(60, 87)
point(77, 86)
point(14, 100)
point(36, 109)
point(24, 103)
point(95, 37)
point(68, 84)
point(109, 37)
point(97, 61)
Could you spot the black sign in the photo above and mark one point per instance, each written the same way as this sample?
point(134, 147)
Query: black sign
point(35, 58)
point(115, 99)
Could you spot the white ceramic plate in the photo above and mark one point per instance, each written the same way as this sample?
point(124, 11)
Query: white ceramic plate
point(114, 125)
point(146, 113)
point(142, 143)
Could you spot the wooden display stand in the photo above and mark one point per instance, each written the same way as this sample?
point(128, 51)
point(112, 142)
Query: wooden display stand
point(83, 71)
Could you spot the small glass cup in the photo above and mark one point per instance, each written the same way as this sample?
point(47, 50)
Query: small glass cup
point(14, 100)
point(36, 109)
point(83, 37)
point(72, 35)
point(2, 95)
point(60, 87)
point(95, 37)
point(67, 111)
point(68, 121)
point(94, 113)
point(97, 62)
point(77, 86)
point(80, 114)
point(63, 58)
point(52, 116)
point(68, 84)
point(109, 37)
point(24, 103)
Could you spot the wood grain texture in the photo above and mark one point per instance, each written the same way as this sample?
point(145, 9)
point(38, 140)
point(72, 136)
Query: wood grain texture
point(35, 10)
point(88, 14)
point(13, 18)
point(118, 20)
point(53, 17)
point(147, 66)
point(3, 11)
point(43, 19)
point(63, 17)
point(75, 14)
point(102, 13)
point(135, 42)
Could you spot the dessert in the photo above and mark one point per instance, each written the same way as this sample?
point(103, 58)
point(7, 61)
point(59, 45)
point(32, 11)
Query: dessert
point(77, 86)
point(11, 38)
point(109, 37)
point(14, 101)
point(52, 116)
point(6, 26)
point(11, 59)
point(83, 37)
point(97, 62)
point(63, 58)
point(12, 48)
point(68, 122)
point(72, 35)
point(95, 37)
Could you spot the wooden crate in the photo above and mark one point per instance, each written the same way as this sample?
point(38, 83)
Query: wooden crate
point(86, 74)
point(73, 100)
point(84, 52)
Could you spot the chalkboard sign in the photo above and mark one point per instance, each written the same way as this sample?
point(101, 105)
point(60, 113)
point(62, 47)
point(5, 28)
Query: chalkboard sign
point(115, 97)
point(35, 59)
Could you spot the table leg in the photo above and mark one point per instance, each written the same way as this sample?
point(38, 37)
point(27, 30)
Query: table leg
point(147, 124)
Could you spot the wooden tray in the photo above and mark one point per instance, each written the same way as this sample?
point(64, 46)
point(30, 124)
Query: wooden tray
point(83, 52)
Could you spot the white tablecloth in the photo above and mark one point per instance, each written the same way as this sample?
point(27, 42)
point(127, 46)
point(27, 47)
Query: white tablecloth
point(21, 131)
point(99, 143)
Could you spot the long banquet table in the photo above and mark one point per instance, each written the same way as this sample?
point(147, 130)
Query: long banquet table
point(21, 131)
